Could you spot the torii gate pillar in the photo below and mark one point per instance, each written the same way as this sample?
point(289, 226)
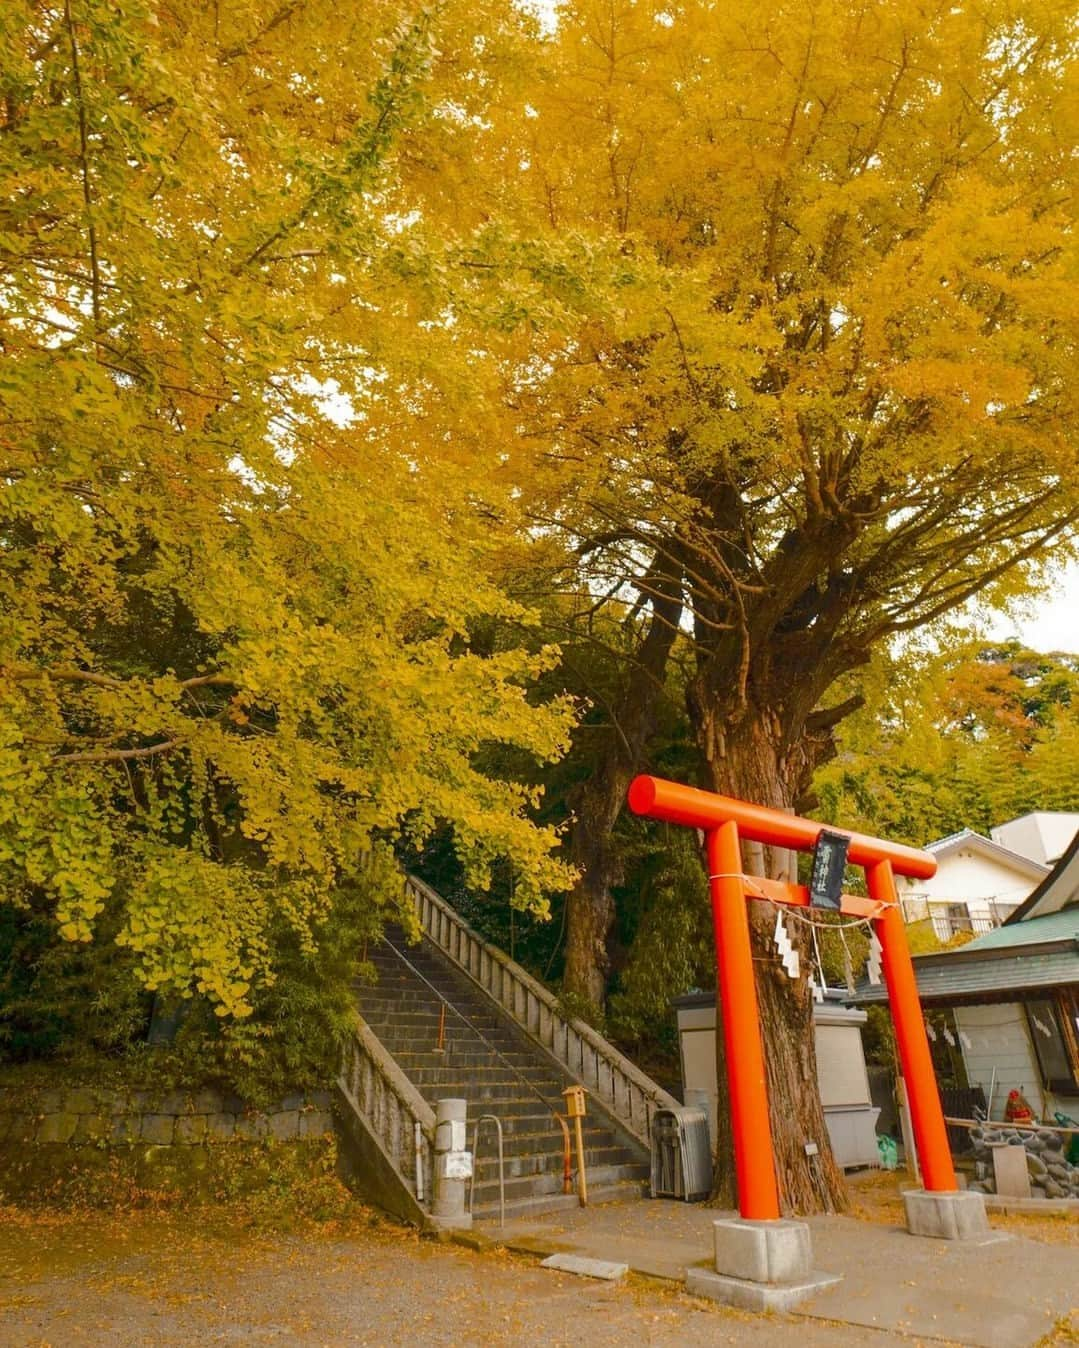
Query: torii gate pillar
point(751, 1249)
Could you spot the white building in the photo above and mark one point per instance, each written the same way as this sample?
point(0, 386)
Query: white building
point(1042, 836)
point(979, 883)
point(1010, 999)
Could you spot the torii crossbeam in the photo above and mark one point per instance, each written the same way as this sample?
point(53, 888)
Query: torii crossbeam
point(725, 822)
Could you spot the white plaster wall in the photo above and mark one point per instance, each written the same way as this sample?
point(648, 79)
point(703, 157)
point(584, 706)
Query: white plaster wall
point(971, 878)
point(841, 1071)
point(999, 1038)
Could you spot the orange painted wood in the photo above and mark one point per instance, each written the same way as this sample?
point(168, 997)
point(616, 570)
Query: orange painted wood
point(758, 1196)
point(659, 798)
point(797, 896)
point(927, 1116)
point(725, 821)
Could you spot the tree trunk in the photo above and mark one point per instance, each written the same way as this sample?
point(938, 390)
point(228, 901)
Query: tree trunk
point(749, 757)
point(600, 800)
point(590, 906)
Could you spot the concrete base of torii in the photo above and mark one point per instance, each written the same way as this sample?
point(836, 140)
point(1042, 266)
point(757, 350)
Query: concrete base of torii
point(759, 1266)
point(959, 1215)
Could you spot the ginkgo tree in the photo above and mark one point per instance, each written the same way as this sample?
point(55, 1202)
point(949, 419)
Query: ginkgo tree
point(840, 401)
point(244, 528)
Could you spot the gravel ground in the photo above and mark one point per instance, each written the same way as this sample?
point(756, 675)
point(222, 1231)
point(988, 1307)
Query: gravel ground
point(161, 1280)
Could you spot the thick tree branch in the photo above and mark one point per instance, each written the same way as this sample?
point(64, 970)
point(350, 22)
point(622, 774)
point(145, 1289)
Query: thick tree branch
point(84, 167)
point(117, 755)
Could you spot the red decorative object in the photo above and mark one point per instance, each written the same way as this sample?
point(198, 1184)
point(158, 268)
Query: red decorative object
point(1017, 1109)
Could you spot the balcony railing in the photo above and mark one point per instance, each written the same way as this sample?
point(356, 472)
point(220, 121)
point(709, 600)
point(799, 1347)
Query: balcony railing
point(954, 919)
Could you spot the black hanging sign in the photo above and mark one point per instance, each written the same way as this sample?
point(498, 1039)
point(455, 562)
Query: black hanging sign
point(829, 863)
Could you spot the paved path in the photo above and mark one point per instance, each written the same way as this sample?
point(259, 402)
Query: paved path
point(1005, 1294)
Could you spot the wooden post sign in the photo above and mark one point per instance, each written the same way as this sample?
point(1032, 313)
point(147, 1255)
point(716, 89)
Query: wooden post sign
point(726, 824)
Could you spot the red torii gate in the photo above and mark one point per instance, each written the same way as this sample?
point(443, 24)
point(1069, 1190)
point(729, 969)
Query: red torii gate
point(725, 822)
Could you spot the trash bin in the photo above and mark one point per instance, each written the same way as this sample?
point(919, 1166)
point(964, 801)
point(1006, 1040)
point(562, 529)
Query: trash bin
point(681, 1154)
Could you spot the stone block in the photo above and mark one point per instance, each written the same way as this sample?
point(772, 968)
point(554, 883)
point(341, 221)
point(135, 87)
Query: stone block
point(158, 1129)
point(946, 1216)
point(1010, 1171)
point(294, 1101)
point(92, 1128)
point(207, 1102)
point(285, 1125)
point(174, 1102)
point(251, 1127)
point(220, 1127)
point(771, 1252)
point(57, 1128)
point(23, 1129)
point(190, 1128)
point(748, 1295)
point(126, 1128)
point(316, 1122)
point(584, 1267)
point(81, 1100)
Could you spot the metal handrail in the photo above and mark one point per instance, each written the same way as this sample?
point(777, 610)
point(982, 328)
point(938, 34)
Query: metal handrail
point(472, 1026)
point(489, 1118)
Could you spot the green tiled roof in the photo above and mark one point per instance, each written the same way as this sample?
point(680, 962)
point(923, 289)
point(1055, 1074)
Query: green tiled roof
point(952, 978)
point(1037, 953)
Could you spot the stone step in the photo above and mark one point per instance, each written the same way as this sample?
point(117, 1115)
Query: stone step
point(538, 1134)
point(463, 1059)
point(420, 1018)
point(470, 1048)
point(490, 1074)
point(537, 1163)
point(418, 1025)
point(488, 1060)
point(491, 1100)
point(533, 1186)
point(485, 1208)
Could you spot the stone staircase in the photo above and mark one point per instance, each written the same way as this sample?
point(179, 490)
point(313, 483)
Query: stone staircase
point(499, 1068)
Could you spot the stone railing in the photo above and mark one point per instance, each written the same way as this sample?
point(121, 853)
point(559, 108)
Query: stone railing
point(394, 1112)
point(628, 1094)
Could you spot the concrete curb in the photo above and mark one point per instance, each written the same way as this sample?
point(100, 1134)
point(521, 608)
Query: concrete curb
point(1044, 1207)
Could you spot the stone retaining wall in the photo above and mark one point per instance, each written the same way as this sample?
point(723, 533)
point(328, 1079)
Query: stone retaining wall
point(81, 1115)
point(1052, 1176)
point(93, 1142)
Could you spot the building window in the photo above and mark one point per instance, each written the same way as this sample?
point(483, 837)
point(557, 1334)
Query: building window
point(1054, 1032)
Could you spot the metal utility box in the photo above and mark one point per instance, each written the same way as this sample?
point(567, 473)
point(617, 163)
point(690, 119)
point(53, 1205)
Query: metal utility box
point(681, 1154)
point(849, 1113)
